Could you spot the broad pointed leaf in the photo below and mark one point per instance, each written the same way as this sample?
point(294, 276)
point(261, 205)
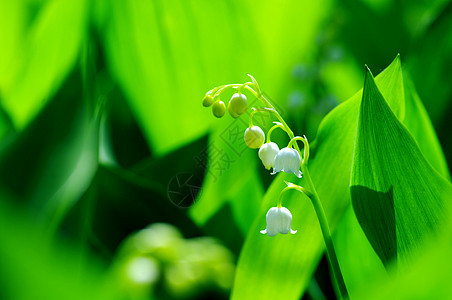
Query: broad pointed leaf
point(397, 195)
point(49, 55)
point(360, 262)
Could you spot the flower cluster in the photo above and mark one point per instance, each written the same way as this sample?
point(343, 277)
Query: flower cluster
point(236, 106)
point(287, 159)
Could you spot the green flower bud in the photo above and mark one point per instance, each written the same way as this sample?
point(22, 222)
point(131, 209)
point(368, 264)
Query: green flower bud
point(218, 109)
point(238, 103)
point(254, 137)
point(207, 101)
point(231, 112)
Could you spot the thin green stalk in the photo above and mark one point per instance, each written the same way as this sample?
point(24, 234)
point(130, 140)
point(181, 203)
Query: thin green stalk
point(331, 253)
point(269, 133)
point(259, 109)
point(338, 282)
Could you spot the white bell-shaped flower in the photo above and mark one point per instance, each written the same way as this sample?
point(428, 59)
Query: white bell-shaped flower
point(267, 154)
point(279, 220)
point(288, 160)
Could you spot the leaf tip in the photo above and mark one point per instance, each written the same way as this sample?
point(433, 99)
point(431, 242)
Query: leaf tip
point(367, 69)
point(398, 59)
point(368, 74)
point(370, 86)
point(396, 64)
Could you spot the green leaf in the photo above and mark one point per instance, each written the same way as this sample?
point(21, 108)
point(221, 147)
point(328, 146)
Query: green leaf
point(421, 128)
point(49, 55)
point(428, 274)
point(12, 27)
point(230, 176)
point(33, 268)
point(6, 127)
point(147, 43)
point(397, 196)
point(51, 162)
point(359, 262)
point(431, 55)
point(349, 238)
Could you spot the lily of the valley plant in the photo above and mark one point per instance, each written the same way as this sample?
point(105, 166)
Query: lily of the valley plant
point(288, 159)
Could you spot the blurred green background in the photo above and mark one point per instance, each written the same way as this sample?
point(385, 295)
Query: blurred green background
point(115, 182)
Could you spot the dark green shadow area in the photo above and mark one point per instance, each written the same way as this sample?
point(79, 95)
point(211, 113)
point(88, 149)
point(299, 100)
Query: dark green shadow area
point(375, 213)
point(223, 227)
point(117, 204)
point(36, 162)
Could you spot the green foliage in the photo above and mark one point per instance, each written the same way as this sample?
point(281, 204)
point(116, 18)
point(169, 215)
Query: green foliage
point(46, 58)
point(34, 268)
point(147, 44)
point(333, 189)
point(431, 56)
point(397, 196)
point(425, 276)
point(67, 153)
point(368, 266)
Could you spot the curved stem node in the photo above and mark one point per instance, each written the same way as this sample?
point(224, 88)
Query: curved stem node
point(306, 147)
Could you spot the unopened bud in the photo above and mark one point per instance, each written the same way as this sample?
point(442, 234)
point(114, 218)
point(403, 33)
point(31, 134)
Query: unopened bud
point(238, 103)
point(207, 101)
point(218, 109)
point(231, 112)
point(254, 137)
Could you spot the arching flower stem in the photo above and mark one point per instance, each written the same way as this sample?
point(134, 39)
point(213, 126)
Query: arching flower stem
point(269, 106)
point(260, 109)
point(220, 89)
point(339, 285)
point(277, 125)
point(306, 148)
